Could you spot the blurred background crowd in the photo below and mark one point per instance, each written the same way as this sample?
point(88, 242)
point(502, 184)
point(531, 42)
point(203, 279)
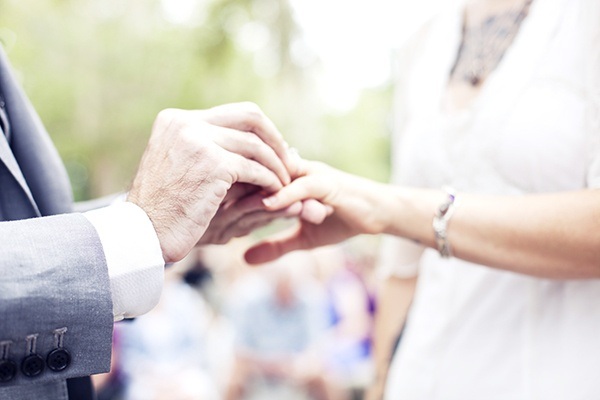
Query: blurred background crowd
point(99, 71)
point(299, 328)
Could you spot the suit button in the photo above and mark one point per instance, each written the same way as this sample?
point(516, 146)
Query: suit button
point(58, 359)
point(32, 365)
point(8, 370)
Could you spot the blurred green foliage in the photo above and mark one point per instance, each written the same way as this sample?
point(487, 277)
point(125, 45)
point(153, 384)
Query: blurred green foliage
point(99, 71)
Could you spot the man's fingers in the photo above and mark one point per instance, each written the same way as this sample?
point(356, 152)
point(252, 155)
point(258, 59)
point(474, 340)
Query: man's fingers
point(242, 217)
point(251, 146)
point(274, 248)
point(252, 172)
point(249, 211)
point(239, 191)
point(249, 117)
point(243, 205)
point(251, 221)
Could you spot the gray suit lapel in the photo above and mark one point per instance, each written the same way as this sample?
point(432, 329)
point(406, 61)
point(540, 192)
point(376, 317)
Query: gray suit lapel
point(42, 174)
point(8, 159)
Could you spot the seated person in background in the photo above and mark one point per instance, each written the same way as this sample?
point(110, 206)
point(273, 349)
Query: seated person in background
point(276, 332)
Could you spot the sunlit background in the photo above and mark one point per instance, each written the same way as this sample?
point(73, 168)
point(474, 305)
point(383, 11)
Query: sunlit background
point(98, 72)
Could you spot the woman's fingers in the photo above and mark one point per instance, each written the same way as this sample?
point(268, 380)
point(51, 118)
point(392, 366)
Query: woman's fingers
point(314, 211)
point(303, 188)
point(316, 181)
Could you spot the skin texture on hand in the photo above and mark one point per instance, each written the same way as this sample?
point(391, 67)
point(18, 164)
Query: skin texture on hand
point(350, 206)
point(242, 216)
point(238, 216)
point(192, 160)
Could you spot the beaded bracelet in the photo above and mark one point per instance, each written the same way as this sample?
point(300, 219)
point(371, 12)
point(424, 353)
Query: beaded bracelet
point(440, 223)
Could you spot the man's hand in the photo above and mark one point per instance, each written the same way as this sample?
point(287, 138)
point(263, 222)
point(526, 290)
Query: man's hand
point(243, 216)
point(243, 211)
point(192, 160)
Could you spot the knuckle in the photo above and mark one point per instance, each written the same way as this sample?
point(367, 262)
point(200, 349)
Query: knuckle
point(253, 141)
point(170, 122)
point(253, 114)
point(251, 107)
point(224, 171)
point(197, 136)
point(166, 115)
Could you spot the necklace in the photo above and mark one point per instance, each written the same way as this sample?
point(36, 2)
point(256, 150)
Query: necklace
point(484, 45)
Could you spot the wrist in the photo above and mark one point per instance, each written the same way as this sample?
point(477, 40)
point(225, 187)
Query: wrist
point(375, 204)
point(411, 211)
point(440, 223)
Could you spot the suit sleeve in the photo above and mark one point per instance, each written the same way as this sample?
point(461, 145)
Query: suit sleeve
point(55, 302)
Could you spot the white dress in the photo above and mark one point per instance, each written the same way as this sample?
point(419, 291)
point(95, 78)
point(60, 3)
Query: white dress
point(474, 332)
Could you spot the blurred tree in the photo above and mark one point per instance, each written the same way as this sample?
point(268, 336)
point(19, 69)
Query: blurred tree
point(98, 72)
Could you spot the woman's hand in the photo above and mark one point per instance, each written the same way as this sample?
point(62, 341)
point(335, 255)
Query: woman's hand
point(354, 206)
point(552, 235)
point(243, 211)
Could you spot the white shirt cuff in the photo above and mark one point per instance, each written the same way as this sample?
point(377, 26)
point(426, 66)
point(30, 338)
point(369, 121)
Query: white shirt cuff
point(133, 255)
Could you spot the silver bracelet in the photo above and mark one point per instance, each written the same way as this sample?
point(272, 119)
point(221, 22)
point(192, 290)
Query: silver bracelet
point(440, 223)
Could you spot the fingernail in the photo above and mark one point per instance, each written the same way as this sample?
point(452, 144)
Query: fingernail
point(269, 201)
